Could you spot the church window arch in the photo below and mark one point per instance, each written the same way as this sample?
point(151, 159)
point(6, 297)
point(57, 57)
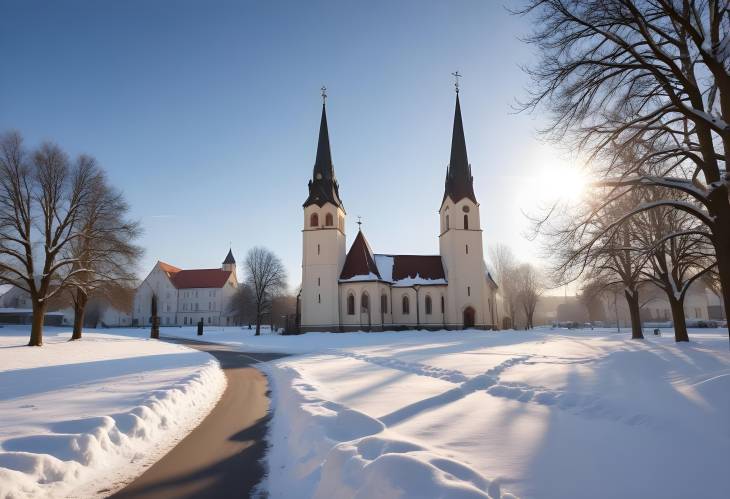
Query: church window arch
point(329, 220)
point(442, 304)
point(466, 222)
point(384, 303)
point(468, 291)
point(406, 306)
point(318, 249)
point(429, 305)
point(364, 303)
point(467, 249)
point(314, 220)
point(350, 304)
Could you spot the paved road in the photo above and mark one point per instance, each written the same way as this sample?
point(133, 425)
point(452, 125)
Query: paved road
point(221, 457)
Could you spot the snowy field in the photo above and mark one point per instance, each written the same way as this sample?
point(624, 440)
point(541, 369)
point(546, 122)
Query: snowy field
point(542, 414)
point(81, 419)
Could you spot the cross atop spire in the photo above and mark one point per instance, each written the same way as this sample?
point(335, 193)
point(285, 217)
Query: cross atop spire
point(359, 223)
point(456, 76)
point(324, 94)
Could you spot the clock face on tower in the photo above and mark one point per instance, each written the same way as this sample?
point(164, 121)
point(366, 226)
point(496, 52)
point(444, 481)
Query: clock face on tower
point(318, 176)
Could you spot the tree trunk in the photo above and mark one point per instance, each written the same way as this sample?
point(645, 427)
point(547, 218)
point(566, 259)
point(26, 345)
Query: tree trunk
point(258, 322)
point(680, 325)
point(79, 309)
point(632, 299)
point(155, 329)
point(722, 250)
point(36, 329)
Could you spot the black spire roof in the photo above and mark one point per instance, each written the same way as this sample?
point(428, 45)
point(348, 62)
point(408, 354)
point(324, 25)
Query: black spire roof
point(323, 187)
point(229, 258)
point(459, 182)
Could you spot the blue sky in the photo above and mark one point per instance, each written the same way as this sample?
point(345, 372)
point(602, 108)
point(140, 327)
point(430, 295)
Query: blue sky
point(206, 114)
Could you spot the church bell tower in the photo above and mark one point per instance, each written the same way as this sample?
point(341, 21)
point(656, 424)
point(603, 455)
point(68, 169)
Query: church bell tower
point(323, 236)
point(460, 239)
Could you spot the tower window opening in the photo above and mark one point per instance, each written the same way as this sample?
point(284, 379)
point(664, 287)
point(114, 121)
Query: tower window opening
point(319, 281)
point(329, 220)
point(468, 291)
point(319, 298)
point(467, 249)
point(318, 249)
point(466, 222)
point(447, 222)
point(314, 220)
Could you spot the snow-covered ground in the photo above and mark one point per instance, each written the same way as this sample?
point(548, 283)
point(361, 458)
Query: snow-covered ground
point(80, 419)
point(541, 414)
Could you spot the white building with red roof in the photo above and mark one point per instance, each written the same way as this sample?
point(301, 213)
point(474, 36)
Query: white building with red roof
point(186, 296)
point(363, 290)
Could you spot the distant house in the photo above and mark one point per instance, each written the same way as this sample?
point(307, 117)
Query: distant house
point(700, 303)
point(16, 308)
point(186, 296)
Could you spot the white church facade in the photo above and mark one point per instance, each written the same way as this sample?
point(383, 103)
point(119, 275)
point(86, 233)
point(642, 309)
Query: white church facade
point(362, 290)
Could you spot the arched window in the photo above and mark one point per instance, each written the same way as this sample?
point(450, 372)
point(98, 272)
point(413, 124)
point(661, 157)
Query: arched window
point(429, 306)
point(447, 221)
point(383, 304)
point(329, 221)
point(350, 304)
point(364, 303)
point(314, 220)
point(466, 222)
point(442, 304)
point(406, 306)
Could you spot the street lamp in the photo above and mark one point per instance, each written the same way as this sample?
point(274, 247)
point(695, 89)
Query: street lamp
point(418, 307)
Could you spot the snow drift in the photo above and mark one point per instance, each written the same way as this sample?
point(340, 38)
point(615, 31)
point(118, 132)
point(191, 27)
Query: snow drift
point(88, 426)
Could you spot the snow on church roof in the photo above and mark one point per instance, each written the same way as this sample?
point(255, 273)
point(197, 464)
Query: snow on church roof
point(399, 270)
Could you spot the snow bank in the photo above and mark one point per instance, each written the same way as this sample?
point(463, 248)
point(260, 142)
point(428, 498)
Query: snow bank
point(323, 449)
point(541, 414)
point(83, 418)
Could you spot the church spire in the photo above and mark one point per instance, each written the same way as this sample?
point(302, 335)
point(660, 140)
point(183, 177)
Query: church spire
point(323, 187)
point(459, 181)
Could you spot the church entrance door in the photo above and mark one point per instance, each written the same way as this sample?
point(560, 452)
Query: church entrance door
point(468, 317)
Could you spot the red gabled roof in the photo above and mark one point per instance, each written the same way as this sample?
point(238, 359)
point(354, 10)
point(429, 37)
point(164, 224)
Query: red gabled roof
point(359, 260)
point(412, 266)
point(170, 269)
point(200, 278)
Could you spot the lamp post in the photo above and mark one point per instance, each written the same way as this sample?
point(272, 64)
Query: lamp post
point(418, 307)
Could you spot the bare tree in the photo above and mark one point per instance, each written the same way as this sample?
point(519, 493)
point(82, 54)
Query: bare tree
point(266, 276)
point(243, 304)
point(505, 268)
point(529, 289)
point(104, 252)
point(41, 197)
point(677, 256)
point(615, 73)
point(590, 296)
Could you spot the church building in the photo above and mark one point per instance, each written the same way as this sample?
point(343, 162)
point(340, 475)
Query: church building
point(362, 290)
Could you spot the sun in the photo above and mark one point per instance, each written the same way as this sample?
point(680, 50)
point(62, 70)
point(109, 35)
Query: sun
point(561, 182)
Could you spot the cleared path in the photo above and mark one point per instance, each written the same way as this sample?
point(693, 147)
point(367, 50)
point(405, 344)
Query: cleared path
point(222, 456)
